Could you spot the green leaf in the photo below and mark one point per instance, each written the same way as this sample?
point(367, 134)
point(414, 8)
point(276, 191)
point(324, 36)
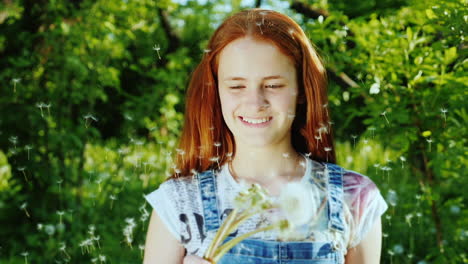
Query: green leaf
point(430, 14)
point(450, 55)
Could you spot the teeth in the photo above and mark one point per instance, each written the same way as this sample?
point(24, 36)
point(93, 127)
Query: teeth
point(255, 121)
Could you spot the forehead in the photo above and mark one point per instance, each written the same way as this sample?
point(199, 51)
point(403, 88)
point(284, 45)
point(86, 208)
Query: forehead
point(249, 58)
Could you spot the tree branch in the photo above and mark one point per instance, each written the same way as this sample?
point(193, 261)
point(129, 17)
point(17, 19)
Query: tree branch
point(173, 39)
point(342, 79)
point(308, 11)
point(258, 3)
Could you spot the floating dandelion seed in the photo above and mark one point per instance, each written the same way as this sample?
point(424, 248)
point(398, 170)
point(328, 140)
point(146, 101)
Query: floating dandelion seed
point(14, 140)
point(308, 154)
point(98, 181)
point(327, 149)
point(206, 50)
point(403, 160)
point(384, 114)
point(141, 247)
point(354, 140)
point(215, 159)
point(444, 112)
point(62, 248)
point(60, 214)
point(102, 258)
point(429, 140)
point(22, 169)
point(48, 107)
point(259, 24)
point(128, 231)
point(322, 129)
point(392, 198)
point(88, 119)
point(15, 81)
point(157, 48)
point(372, 129)
point(229, 155)
point(325, 106)
point(391, 253)
point(217, 145)
point(59, 182)
point(23, 207)
point(317, 138)
point(285, 155)
point(112, 198)
point(28, 149)
point(387, 169)
point(25, 255)
point(41, 105)
point(408, 218)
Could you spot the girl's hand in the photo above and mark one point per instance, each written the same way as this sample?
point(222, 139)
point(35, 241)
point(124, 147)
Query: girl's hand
point(195, 260)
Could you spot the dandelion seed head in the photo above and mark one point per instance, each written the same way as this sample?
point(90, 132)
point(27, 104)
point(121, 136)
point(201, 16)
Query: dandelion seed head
point(398, 249)
point(49, 229)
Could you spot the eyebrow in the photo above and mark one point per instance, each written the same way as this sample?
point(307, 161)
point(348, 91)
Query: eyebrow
point(265, 78)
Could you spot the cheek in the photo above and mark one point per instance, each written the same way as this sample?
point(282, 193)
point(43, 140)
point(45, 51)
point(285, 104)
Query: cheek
point(227, 105)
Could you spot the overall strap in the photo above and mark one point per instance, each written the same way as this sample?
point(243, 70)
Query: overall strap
point(208, 192)
point(335, 196)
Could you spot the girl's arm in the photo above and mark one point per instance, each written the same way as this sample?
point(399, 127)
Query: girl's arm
point(161, 245)
point(368, 251)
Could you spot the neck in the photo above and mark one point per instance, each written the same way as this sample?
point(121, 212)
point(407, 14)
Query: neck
point(266, 164)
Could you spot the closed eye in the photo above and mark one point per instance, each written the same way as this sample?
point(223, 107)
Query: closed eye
point(236, 87)
point(274, 86)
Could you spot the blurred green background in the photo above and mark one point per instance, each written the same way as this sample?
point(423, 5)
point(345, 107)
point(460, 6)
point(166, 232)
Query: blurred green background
point(92, 99)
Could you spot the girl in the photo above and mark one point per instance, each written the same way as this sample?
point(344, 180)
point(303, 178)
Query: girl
point(256, 112)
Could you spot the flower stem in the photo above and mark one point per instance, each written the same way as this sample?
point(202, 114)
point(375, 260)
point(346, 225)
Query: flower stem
point(228, 245)
point(221, 231)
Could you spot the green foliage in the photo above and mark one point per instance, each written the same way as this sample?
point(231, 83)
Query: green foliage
point(92, 106)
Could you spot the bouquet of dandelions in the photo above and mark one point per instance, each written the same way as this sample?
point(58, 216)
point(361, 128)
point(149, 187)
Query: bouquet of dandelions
point(299, 204)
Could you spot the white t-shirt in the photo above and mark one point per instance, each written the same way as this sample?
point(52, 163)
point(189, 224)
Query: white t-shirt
point(178, 203)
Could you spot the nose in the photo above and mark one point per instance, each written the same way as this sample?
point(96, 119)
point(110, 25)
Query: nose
point(256, 99)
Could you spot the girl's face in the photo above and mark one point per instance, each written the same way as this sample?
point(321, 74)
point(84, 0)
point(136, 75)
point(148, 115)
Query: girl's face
point(258, 91)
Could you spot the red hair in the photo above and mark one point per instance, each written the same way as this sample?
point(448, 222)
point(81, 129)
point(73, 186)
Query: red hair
point(204, 127)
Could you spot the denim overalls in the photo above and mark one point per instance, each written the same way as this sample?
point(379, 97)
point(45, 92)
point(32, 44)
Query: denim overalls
point(255, 251)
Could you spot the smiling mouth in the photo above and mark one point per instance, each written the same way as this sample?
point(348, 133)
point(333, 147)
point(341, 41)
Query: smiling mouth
point(256, 121)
